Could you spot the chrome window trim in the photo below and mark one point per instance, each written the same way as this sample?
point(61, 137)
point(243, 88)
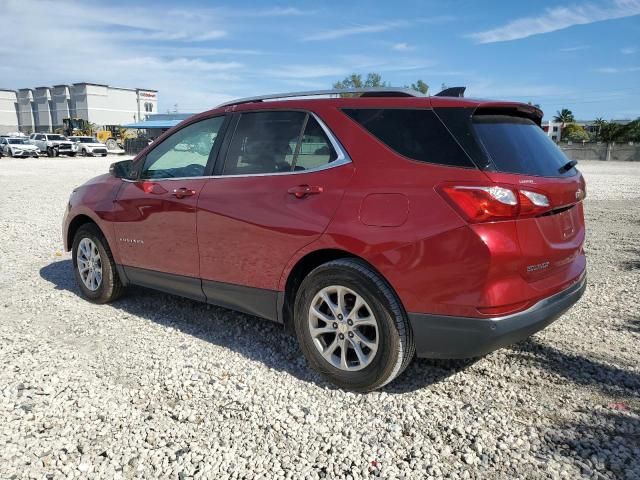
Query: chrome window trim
point(341, 159)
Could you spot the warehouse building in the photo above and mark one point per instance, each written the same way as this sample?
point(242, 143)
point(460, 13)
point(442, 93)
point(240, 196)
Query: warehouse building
point(43, 109)
point(8, 111)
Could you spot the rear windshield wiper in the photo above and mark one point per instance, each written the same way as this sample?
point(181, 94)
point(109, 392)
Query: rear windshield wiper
point(567, 166)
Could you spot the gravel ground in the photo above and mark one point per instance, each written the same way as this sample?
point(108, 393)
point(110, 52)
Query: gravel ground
point(158, 386)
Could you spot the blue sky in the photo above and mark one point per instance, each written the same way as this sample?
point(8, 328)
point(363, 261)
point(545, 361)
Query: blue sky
point(583, 55)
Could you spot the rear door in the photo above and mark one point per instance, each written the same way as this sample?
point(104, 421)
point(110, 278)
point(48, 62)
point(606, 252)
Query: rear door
point(155, 221)
point(280, 179)
point(522, 155)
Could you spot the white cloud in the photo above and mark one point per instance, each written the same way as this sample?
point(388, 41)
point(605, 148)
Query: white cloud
point(355, 30)
point(558, 18)
point(402, 47)
point(616, 70)
point(575, 49)
point(628, 50)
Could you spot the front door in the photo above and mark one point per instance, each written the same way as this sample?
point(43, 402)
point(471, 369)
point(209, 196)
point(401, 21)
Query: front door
point(281, 182)
point(155, 223)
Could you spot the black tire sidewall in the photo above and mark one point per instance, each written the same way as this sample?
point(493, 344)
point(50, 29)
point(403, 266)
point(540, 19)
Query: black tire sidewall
point(388, 347)
point(104, 293)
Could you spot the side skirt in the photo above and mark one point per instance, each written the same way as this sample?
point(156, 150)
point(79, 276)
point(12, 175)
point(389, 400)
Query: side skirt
point(253, 301)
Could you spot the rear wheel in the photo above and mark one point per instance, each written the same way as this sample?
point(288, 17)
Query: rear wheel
point(351, 326)
point(111, 144)
point(94, 269)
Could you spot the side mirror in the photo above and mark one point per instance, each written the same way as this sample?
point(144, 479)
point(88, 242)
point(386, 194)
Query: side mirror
point(122, 169)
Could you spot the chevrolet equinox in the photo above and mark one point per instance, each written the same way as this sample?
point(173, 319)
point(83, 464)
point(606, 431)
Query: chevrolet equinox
point(378, 224)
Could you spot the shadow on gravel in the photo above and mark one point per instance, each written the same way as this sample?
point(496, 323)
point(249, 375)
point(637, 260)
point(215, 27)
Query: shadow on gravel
point(600, 441)
point(252, 337)
point(634, 263)
point(633, 324)
point(580, 370)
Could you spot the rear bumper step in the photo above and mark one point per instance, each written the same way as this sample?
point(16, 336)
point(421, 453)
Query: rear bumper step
point(441, 336)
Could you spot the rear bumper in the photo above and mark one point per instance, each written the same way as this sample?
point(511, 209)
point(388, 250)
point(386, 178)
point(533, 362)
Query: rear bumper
point(441, 336)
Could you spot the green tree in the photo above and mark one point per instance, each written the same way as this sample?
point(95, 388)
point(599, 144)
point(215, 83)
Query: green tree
point(631, 131)
point(565, 116)
point(599, 122)
point(420, 86)
point(611, 132)
point(574, 133)
point(355, 81)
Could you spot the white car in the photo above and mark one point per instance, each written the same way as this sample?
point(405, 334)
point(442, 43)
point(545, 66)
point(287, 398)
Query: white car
point(89, 146)
point(18, 147)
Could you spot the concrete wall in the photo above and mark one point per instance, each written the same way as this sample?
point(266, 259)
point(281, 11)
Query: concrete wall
point(25, 110)
point(60, 101)
point(42, 109)
point(622, 152)
point(8, 111)
point(105, 105)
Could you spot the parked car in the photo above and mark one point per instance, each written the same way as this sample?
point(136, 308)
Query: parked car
point(17, 147)
point(89, 146)
point(53, 144)
point(376, 227)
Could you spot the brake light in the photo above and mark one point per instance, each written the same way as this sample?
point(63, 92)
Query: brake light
point(491, 203)
point(533, 203)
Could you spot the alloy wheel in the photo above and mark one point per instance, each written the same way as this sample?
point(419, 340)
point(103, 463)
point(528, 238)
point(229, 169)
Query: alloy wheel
point(343, 328)
point(89, 264)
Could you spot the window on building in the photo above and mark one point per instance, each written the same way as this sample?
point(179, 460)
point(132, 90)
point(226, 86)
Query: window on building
point(185, 153)
point(148, 107)
point(416, 134)
point(555, 129)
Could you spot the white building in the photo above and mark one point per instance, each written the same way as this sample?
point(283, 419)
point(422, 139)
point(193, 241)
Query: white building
point(43, 109)
point(8, 111)
point(553, 130)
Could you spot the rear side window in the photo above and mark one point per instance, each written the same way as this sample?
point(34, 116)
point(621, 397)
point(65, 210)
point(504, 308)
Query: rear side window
point(416, 134)
point(277, 142)
point(518, 145)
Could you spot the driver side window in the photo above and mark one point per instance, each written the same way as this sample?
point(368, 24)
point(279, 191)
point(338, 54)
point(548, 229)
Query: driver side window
point(185, 153)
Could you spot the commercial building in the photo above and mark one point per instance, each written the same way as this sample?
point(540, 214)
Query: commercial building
point(8, 111)
point(43, 109)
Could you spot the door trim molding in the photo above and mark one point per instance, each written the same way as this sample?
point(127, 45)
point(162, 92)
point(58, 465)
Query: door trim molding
point(250, 300)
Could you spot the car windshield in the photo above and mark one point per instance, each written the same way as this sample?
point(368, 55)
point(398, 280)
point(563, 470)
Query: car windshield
point(87, 140)
point(56, 137)
point(18, 141)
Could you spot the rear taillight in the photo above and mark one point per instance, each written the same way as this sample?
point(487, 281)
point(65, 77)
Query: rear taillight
point(479, 203)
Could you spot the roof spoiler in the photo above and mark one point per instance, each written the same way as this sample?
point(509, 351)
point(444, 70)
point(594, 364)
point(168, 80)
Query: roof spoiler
point(452, 92)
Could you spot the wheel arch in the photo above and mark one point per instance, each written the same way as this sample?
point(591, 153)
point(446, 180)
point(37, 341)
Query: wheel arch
point(303, 267)
point(78, 221)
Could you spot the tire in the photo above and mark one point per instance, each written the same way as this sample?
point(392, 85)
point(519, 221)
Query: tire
point(110, 287)
point(111, 144)
point(11, 153)
point(394, 346)
point(71, 154)
point(104, 154)
point(50, 152)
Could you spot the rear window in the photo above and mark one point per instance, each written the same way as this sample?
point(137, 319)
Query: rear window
point(518, 145)
point(416, 134)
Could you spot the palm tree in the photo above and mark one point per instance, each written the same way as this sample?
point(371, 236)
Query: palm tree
point(599, 122)
point(564, 116)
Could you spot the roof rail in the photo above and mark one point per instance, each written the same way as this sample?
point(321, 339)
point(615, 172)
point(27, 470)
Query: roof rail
point(364, 92)
point(452, 92)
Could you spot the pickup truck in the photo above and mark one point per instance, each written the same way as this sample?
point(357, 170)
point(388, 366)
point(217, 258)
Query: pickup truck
point(53, 144)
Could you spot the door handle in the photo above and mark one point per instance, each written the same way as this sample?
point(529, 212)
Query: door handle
point(183, 192)
point(302, 191)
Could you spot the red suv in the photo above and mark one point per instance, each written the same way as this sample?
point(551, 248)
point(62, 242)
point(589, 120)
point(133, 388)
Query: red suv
point(378, 224)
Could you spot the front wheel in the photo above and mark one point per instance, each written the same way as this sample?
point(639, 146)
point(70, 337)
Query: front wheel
point(351, 326)
point(93, 266)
